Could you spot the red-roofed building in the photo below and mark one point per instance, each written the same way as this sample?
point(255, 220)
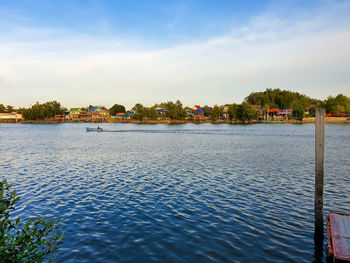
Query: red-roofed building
point(197, 113)
point(284, 113)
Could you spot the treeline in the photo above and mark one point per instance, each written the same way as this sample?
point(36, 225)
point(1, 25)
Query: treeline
point(244, 112)
point(338, 104)
point(7, 108)
point(281, 99)
point(42, 111)
point(268, 99)
point(284, 99)
point(173, 110)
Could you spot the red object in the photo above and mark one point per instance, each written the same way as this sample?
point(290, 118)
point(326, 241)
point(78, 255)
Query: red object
point(338, 232)
point(275, 110)
point(337, 115)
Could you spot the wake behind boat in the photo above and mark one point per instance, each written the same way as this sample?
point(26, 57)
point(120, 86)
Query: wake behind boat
point(98, 129)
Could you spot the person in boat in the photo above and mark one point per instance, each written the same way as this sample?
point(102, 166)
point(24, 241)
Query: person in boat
point(98, 128)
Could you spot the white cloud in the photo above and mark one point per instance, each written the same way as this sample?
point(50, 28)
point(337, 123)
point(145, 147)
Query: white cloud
point(309, 55)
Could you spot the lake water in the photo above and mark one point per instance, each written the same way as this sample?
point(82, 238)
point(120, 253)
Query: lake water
point(176, 193)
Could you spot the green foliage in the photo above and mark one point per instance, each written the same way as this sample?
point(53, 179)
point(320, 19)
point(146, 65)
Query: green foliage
point(27, 242)
point(281, 99)
point(175, 111)
point(233, 111)
point(7, 108)
point(10, 108)
point(299, 113)
point(207, 110)
point(246, 112)
point(116, 108)
point(337, 104)
point(215, 112)
point(142, 113)
point(42, 111)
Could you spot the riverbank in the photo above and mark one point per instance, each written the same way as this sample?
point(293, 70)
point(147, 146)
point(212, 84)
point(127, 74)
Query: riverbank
point(340, 120)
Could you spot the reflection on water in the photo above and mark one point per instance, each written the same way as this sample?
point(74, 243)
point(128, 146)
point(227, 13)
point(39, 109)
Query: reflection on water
point(177, 193)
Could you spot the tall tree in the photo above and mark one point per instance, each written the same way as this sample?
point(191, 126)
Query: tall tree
point(215, 112)
point(141, 112)
point(175, 110)
point(233, 111)
point(337, 104)
point(246, 112)
point(10, 108)
point(116, 108)
point(299, 113)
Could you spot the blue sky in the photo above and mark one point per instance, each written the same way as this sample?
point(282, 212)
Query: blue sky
point(202, 52)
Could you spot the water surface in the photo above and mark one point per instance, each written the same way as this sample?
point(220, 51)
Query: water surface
point(176, 193)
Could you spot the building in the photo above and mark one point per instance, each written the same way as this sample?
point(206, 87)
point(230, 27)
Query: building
point(162, 113)
point(7, 116)
point(98, 114)
point(74, 112)
point(197, 113)
point(285, 113)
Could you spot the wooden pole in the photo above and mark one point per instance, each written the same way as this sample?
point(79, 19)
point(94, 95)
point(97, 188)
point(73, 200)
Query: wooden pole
point(319, 162)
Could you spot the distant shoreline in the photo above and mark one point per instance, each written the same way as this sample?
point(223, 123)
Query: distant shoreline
point(340, 120)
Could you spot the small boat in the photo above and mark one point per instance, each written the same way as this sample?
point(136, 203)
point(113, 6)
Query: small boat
point(338, 232)
point(94, 129)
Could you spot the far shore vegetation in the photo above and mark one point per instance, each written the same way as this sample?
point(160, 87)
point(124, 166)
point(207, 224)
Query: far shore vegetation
point(269, 105)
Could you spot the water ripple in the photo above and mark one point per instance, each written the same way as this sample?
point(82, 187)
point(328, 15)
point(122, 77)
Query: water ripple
point(179, 193)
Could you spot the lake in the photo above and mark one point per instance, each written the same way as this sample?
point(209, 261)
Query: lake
point(176, 193)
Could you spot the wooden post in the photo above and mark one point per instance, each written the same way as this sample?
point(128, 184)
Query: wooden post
point(319, 162)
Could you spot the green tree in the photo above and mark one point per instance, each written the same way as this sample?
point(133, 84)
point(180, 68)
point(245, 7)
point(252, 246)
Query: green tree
point(10, 108)
point(215, 112)
point(206, 109)
point(175, 111)
point(116, 108)
point(181, 111)
point(246, 112)
point(151, 112)
point(337, 104)
point(139, 112)
point(299, 113)
point(142, 113)
point(172, 111)
point(28, 242)
point(281, 99)
point(41, 111)
point(2, 107)
point(233, 111)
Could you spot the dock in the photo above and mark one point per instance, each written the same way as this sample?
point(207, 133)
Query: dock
point(338, 232)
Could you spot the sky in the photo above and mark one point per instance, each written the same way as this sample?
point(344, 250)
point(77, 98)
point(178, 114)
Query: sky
point(199, 51)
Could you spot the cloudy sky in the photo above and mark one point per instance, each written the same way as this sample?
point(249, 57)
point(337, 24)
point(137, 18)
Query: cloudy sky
point(198, 51)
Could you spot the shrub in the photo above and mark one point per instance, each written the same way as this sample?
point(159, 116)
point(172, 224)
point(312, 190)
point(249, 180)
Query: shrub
point(30, 241)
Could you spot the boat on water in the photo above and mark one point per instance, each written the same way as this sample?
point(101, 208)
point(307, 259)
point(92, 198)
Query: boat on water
point(94, 129)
